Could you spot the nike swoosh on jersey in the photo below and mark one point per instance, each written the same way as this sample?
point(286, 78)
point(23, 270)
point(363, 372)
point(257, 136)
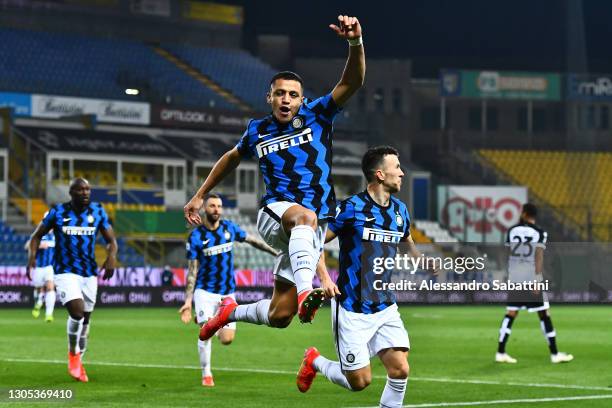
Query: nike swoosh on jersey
point(370, 219)
point(66, 219)
point(205, 242)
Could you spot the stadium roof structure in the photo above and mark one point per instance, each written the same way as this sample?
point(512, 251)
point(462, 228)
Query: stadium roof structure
point(99, 142)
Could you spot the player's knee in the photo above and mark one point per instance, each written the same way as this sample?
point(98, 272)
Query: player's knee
point(400, 371)
point(305, 217)
point(359, 383)
point(76, 314)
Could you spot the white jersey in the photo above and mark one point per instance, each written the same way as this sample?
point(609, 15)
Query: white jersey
point(522, 240)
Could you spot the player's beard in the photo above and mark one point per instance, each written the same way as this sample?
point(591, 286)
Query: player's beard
point(212, 218)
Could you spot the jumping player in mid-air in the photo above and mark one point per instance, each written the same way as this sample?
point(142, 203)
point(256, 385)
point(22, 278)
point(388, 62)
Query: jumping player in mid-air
point(75, 225)
point(211, 273)
point(42, 279)
point(367, 323)
point(293, 145)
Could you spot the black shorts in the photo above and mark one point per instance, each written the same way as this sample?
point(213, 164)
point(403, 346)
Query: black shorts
point(533, 302)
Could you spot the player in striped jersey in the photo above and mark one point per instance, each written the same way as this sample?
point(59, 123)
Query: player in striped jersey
point(75, 225)
point(293, 146)
point(367, 323)
point(527, 243)
point(211, 272)
point(44, 290)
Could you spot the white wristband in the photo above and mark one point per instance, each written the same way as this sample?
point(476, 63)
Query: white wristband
point(354, 42)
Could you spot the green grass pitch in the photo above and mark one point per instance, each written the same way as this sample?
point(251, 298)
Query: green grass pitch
point(147, 357)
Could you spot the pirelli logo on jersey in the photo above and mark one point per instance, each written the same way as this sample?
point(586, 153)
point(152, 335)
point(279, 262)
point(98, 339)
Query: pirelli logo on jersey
point(218, 249)
point(380, 235)
point(79, 230)
point(284, 142)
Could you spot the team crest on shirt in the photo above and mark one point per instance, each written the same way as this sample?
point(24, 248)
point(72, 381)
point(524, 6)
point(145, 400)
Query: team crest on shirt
point(227, 235)
point(297, 122)
point(350, 357)
point(90, 219)
point(399, 220)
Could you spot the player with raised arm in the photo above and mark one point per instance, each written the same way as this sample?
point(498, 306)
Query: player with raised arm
point(365, 323)
point(42, 279)
point(294, 147)
point(211, 273)
point(527, 242)
point(75, 225)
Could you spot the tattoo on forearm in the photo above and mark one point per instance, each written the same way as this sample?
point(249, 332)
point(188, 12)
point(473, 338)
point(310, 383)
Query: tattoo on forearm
point(191, 277)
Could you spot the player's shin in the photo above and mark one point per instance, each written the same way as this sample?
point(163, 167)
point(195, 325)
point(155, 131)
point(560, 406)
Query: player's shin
point(49, 302)
point(332, 371)
point(255, 313)
point(549, 333)
point(74, 328)
point(504, 333)
point(304, 255)
point(205, 352)
point(393, 394)
point(84, 337)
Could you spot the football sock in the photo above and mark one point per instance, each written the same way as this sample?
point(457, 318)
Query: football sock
point(304, 255)
point(549, 333)
point(49, 302)
point(38, 299)
point(205, 351)
point(504, 333)
point(331, 370)
point(256, 313)
point(83, 338)
point(73, 328)
point(393, 394)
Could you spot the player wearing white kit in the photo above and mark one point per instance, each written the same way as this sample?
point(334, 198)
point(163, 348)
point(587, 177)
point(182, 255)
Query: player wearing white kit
point(526, 242)
point(42, 279)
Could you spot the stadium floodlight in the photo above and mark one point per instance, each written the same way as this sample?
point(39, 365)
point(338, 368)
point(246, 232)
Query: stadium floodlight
point(131, 91)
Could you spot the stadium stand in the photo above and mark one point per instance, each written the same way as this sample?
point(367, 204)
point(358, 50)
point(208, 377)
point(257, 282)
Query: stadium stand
point(42, 62)
point(11, 246)
point(575, 184)
point(431, 231)
point(237, 70)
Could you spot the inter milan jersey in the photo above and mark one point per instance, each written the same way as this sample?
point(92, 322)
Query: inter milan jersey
point(44, 257)
point(366, 229)
point(295, 159)
point(75, 237)
point(213, 250)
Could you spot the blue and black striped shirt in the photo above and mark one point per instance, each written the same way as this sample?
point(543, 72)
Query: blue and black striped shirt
point(75, 237)
point(366, 230)
point(213, 250)
point(295, 159)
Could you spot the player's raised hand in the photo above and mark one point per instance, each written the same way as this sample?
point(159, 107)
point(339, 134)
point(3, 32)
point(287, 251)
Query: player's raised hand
point(108, 267)
point(348, 27)
point(192, 210)
point(185, 312)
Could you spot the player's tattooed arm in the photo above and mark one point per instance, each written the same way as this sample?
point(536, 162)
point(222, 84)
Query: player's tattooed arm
point(330, 288)
point(353, 75)
point(185, 310)
point(33, 246)
point(259, 244)
point(224, 166)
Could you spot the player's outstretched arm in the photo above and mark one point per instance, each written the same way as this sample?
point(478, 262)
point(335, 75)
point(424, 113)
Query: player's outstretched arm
point(228, 162)
point(111, 252)
point(330, 288)
point(33, 246)
point(185, 310)
point(348, 28)
point(414, 252)
point(259, 244)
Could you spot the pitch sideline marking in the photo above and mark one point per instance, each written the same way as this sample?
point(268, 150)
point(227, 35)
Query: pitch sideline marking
point(267, 371)
point(511, 401)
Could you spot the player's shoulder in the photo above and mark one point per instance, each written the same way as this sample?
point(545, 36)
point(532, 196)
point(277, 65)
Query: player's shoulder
point(352, 201)
point(538, 228)
point(228, 224)
point(259, 126)
point(399, 204)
